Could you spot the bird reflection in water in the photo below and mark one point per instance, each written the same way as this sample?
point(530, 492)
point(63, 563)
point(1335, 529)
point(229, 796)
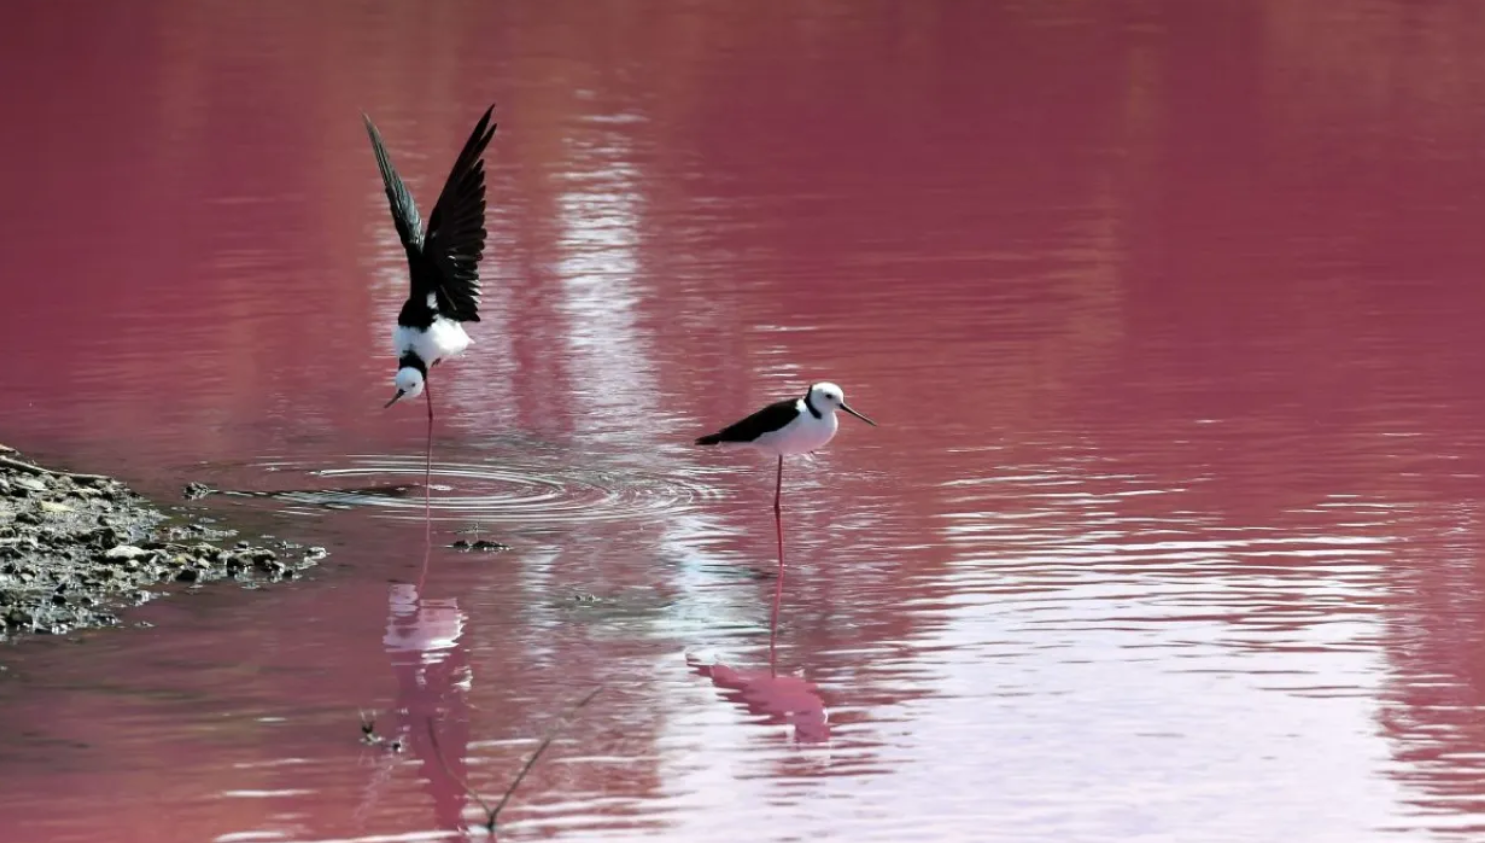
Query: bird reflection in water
point(790, 700)
point(431, 664)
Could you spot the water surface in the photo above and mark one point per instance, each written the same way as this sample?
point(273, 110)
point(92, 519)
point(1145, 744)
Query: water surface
point(1169, 314)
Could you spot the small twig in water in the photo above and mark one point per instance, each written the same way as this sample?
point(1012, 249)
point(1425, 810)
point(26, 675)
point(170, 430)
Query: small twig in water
point(369, 735)
point(473, 794)
point(368, 728)
point(493, 814)
point(475, 531)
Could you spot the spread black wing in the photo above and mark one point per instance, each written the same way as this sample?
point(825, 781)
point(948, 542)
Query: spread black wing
point(404, 210)
point(456, 230)
point(445, 262)
point(766, 420)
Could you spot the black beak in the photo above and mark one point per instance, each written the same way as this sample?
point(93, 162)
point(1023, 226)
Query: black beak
point(400, 393)
point(847, 408)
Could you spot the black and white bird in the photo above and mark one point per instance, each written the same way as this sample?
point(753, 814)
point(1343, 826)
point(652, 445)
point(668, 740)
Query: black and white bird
point(443, 264)
point(785, 428)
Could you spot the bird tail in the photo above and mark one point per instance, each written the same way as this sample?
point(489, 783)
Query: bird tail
point(711, 439)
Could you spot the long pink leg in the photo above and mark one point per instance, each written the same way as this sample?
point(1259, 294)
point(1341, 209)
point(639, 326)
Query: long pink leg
point(778, 514)
point(778, 589)
point(428, 466)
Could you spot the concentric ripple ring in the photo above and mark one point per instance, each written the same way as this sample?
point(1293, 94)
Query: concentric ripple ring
point(524, 494)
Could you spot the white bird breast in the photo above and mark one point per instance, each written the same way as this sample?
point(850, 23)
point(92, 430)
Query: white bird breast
point(801, 436)
point(444, 338)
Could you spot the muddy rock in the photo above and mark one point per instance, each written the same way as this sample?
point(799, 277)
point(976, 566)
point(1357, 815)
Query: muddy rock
point(76, 549)
point(196, 491)
point(479, 545)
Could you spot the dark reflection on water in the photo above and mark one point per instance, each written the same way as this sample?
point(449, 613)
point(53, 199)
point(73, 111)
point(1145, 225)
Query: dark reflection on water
point(1168, 311)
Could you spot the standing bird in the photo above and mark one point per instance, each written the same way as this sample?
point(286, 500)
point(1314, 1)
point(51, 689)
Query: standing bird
point(791, 426)
point(443, 265)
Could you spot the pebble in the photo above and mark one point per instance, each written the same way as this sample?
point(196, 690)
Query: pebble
point(124, 551)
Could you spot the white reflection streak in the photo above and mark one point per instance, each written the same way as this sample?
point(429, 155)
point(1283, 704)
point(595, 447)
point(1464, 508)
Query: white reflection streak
point(599, 213)
point(421, 631)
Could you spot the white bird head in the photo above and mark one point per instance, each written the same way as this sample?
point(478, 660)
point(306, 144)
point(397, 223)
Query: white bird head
point(409, 384)
point(827, 398)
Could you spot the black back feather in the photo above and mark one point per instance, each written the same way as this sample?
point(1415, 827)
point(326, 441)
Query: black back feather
point(770, 418)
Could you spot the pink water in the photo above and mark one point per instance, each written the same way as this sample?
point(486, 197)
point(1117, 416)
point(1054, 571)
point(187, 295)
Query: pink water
point(1169, 313)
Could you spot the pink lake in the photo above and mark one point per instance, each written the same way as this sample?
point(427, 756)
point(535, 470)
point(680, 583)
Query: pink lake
point(1169, 313)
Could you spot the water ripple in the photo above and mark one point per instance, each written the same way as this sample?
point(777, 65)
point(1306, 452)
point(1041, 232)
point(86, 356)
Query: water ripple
point(528, 494)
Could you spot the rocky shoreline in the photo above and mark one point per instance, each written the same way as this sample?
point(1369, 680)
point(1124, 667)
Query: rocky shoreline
point(77, 548)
